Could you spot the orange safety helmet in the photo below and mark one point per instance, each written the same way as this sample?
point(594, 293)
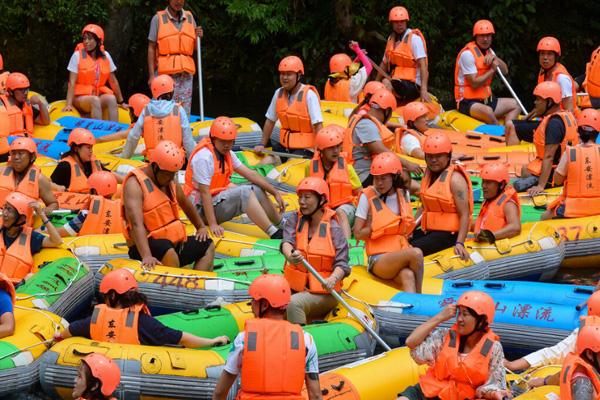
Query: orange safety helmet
point(138, 101)
point(105, 370)
point(588, 338)
point(291, 64)
point(223, 128)
point(384, 99)
point(437, 143)
point(548, 90)
point(168, 156)
point(20, 202)
point(314, 184)
point(371, 87)
point(549, 43)
point(330, 136)
point(120, 280)
point(497, 172)
point(79, 136)
point(275, 289)
point(398, 13)
point(103, 182)
point(339, 62)
point(24, 143)
point(1, 63)
point(593, 304)
point(413, 111)
point(386, 163)
point(480, 302)
point(589, 117)
point(94, 29)
point(17, 80)
point(483, 27)
point(162, 84)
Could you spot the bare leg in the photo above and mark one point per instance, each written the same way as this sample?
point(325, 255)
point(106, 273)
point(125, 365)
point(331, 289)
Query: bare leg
point(510, 134)
point(206, 262)
point(170, 258)
point(507, 108)
point(548, 214)
point(483, 113)
point(109, 102)
point(390, 265)
point(256, 213)
point(89, 105)
point(267, 205)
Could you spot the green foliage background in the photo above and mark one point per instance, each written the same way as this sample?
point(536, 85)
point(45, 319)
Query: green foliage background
point(245, 39)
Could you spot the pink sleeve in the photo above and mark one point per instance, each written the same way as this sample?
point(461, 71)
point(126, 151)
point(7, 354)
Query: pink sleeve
point(364, 60)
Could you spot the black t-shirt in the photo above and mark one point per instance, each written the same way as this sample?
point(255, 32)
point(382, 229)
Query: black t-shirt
point(62, 173)
point(555, 134)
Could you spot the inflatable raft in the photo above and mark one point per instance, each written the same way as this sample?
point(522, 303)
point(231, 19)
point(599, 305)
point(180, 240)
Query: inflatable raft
point(581, 237)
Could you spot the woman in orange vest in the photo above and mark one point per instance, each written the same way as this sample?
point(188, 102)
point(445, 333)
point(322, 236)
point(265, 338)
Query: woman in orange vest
point(500, 215)
point(137, 102)
point(411, 139)
point(124, 318)
point(465, 360)
point(7, 306)
point(346, 80)
point(384, 220)
point(329, 163)
point(91, 69)
point(447, 201)
point(272, 366)
point(18, 241)
point(97, 378)
point(580, 375)
point(314, 235)
point(578, 169)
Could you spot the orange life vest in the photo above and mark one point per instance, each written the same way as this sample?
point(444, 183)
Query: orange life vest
point(581, 192)
point(465, 90)
point(157, 129)
point(73, 201)
point(387, 136)
point(79, 181)
point(161, 212)
point(273, 360)
point(592, 75)
point(439, 209)
point(400, 56)
point(7, 285)
point(338, 180)
point(221, 178)
point(340, 91)
point(29, 185)
point(388, 231)
point(296, 127)
point(491, 216)
point(116, 325)
point(319, 251)
point(92, 75)
point(451, 378)
point(175, 47)
point(104, 217)
point(539, 138)
point(3, 77)
point(572, 363)
point(557, 70)
point(16, 261)
point(401, 132)
point(20, 119)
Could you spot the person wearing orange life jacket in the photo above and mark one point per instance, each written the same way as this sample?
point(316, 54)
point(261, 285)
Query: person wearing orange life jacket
point(578, 169)
point(124, 318)
point(500, 215)
point(465, 360)
point(405, 59)
point(412, 138)
point(97, 378)
point(446, 198)
point(276, 367)
point(364, 97)
point(557, 129)
point(208, 184)
point(171, 46)
point(7, 306)
point(384, 220)
point(296, 106)
point(22, 175)
point(476, 65)
point(103, 216)
point(346, 80)
point(590, 81)
point(161, 119)
point(91, 68)
point(153, 230)
point(18, 241)
point(137, 102)
point(313, 234)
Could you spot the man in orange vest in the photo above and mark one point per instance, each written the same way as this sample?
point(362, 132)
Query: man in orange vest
point(346, 80)
point(578, 169)
point(208, 184)
point(7, 307)
point(580, 374)
point(557, 129)
point(591, 79)
point(161, 119)
point(151, 201)
point(500, 215)
point(475, 68)
point(274, 356)
point(296, 106)
point(171, 45)
point(405, 59)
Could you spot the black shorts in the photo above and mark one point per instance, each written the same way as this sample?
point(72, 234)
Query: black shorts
point(406, 91)
point(189, 252)
point(415, 393)
point(525, 129)
point(464, 106)
point(433, 241)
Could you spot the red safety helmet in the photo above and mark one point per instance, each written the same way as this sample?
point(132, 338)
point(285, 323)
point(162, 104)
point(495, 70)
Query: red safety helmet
point(162, 84)
point(17, 80)
point(480, 302)
point(24, 143)
point(103, 182)
point(291, 64)
point(549, 43)
point(223, 128)
point(275, 289)
point(167, 155)
point(483, 27)
point(437, 143)
point(105, 370)
point(94, 29)
point(371, 87)
point(339, 62)
point(314, 184)
point(386, 163)
point(593, 304)
point(589, 117)
point(21, 203)
point(588, 338)
point(330, 136)
point(79, 136)
point(548, 90)
point(138, 101)
point(497, 172)
point(384, 99)
point(397, 14)
point(413, 111)
point(120, 280)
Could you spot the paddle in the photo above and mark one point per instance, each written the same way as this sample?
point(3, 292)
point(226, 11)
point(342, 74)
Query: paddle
point(510, 89)
point(396, 83)
point(273, 153)
point(200, 91)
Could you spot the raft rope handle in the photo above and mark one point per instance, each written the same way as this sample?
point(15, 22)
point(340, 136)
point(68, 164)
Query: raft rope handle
point(71, 281)
point(224, 239)
point(285, 169)
point(48, 341)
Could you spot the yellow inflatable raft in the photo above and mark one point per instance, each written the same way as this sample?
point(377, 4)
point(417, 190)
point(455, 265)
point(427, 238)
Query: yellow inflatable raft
point(581, 237)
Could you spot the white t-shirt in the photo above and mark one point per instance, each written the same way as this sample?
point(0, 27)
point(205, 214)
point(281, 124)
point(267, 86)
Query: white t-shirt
point(409, 143)
point(555, 354)
point(418, 49)
point(566, 86)
point(466, 66)
point(362, 210)
point(357, 82)
point(312, 102)
point(203, 166)
point(74, 62)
